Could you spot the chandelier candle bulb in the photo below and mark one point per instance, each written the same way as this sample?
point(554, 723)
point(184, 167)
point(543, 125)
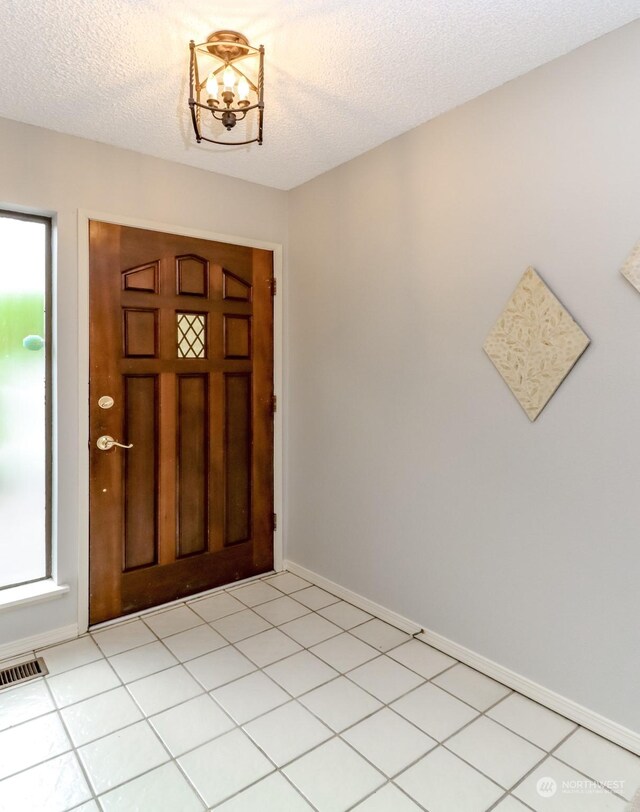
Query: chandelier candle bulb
point(243, 90)
point(212, 87)
point(228, 78)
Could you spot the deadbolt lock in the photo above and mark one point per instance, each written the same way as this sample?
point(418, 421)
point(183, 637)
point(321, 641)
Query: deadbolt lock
point(105, 402)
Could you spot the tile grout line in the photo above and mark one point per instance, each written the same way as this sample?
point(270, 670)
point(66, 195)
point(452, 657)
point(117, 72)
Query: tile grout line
point(280, 769)
point(145, 718)
point(552, 754)
point(335, 735)
point(297, 699)
point(293, 699)
point(240, 727)
point(300, 755)
point(338, 735)
point(261, 668)
point(535, 767)
point(73, 748)
point(479, 713)
point(205, 692)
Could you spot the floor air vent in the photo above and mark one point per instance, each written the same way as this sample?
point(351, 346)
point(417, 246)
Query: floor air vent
point(23, 672)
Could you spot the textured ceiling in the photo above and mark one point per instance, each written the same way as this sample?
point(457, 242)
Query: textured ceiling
point(342, 76)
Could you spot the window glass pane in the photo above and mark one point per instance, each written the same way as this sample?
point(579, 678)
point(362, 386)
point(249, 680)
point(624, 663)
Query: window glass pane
point(192, 335)
point(23, 474)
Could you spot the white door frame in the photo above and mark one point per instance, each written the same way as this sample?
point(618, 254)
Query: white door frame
point(83, 372)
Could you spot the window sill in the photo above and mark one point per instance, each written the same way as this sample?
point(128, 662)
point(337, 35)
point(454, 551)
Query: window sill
point(36, 592)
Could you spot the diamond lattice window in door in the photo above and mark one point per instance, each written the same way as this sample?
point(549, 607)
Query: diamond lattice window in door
point(631, 268)
point(192, 335)
point(534, 344)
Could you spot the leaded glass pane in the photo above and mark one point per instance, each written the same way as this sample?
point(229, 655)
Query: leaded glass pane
point(192, 335)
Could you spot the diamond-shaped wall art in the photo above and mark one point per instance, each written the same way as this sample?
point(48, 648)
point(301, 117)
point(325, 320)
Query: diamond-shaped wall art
point(631, 268)
point(534, 344)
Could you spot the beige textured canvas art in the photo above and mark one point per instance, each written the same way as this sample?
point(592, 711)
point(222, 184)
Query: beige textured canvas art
point(534, 344)
point(631, 268)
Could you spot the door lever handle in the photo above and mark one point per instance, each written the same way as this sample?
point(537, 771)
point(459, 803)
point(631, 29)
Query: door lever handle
point(106, 443)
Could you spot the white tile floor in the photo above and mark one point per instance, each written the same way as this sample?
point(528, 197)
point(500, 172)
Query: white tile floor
point(276, 696)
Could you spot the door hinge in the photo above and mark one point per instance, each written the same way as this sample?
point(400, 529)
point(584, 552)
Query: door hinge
point(274, 286)
point(275, 522)
point(274, 403)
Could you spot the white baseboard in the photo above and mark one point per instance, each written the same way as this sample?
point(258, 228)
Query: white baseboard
point(589, 719)
point(352, 597)
point(560, 704)
point(29, 644)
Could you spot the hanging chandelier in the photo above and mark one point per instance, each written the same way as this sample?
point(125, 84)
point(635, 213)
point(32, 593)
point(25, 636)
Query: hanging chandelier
point(226, 86)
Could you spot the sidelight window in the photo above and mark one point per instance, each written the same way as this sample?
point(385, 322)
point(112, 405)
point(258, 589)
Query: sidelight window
point(25, 253)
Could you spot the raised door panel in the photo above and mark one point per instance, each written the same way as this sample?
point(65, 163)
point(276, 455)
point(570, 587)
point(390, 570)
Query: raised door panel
point(140, 471)
point(237, 337)
point(140, 332)
point(144, 278)
point(192, 459)
point(192, 275)
point(237, 455)
point(234, 288)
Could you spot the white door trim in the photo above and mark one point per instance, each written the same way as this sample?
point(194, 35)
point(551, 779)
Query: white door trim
point(84, 216)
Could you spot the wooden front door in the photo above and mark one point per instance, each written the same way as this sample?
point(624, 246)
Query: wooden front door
point(181, 368)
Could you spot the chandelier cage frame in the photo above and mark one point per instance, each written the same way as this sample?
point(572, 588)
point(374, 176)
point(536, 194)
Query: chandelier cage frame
point(229, 48)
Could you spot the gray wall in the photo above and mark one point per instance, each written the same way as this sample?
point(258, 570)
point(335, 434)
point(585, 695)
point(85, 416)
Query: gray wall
point(48, 172)
point(415, 478)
